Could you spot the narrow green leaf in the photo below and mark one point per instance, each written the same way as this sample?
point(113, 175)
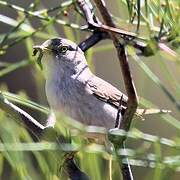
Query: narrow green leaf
point(157, 81)
point(14, 67)
point(138, 14)
point(30, 104)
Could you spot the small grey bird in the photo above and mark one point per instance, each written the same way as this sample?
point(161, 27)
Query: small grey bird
point(72, 88)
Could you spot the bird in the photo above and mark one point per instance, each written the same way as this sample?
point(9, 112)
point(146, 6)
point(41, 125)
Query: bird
point(72, 89)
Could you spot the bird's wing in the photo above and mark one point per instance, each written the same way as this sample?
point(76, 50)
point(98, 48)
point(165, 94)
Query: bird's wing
point(106, 92)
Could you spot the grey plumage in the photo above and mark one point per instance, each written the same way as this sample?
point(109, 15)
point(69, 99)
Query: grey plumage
point(73, 89)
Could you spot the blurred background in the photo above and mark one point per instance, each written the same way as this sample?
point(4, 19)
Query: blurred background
point(157, 78)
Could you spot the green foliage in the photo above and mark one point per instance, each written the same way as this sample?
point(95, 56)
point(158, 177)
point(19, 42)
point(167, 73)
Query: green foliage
point(22, 157)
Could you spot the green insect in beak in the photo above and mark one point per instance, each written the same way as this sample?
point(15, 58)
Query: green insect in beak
point(35, 51)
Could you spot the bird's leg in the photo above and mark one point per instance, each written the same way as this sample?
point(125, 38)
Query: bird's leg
point(117, 125)
point(119, 115)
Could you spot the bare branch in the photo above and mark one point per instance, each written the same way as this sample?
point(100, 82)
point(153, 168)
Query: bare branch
point(92, 40)
point(127, 77)
point(123, 59)
point(101, 31)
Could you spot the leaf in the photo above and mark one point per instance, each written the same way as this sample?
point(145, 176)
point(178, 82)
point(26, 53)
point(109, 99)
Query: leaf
point(22, 101)
point(156, 80)
point(13, 67)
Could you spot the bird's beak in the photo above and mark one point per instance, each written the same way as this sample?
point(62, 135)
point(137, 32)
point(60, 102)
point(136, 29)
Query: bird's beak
point(40, 49)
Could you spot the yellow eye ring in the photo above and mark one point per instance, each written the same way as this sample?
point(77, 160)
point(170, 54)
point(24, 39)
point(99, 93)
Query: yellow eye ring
point(63, 49)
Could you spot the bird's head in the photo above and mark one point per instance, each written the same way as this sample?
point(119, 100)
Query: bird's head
point(59, 54)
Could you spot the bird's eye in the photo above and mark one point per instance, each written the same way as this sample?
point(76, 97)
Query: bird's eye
point(63, 49)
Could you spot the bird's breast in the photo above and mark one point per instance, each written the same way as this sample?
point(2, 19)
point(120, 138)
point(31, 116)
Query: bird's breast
point(77, 101)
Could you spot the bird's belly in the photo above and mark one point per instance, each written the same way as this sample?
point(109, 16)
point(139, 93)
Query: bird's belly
point(96, 114)
point(84, 107)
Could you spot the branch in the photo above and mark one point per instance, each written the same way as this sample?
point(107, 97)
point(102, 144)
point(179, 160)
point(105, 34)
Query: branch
point(101, 31)
point(127, 77)
point(95, 24)
point(92, 40)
